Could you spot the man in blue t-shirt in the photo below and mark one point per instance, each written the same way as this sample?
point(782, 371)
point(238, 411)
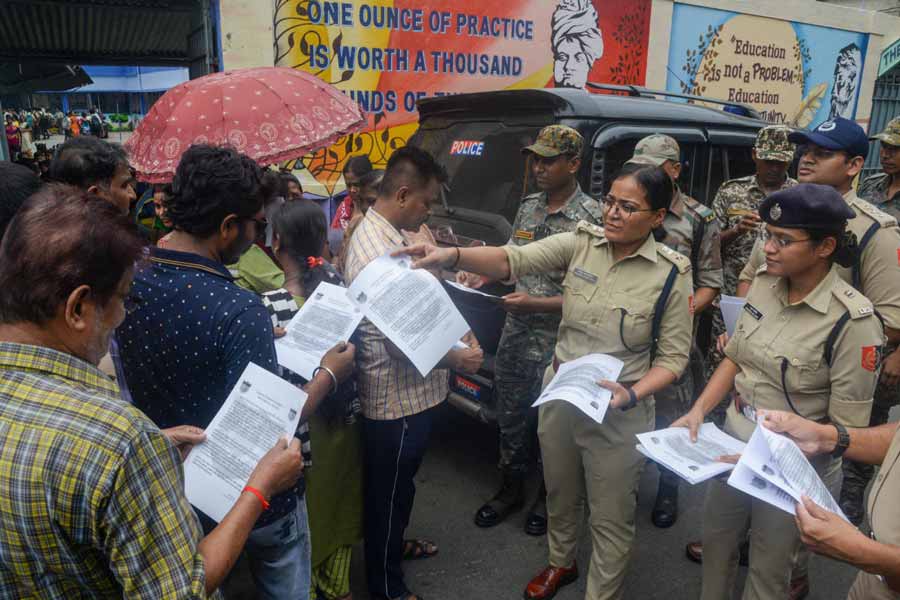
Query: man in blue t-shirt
point(194, 332)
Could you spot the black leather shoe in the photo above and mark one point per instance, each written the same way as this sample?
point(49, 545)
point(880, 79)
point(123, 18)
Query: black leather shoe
point(665, 511)
point(504, 503)
point(536, 521)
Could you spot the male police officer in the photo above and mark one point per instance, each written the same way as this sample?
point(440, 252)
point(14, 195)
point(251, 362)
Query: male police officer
point(534, 309)
point(883, 189)
point(692, 230)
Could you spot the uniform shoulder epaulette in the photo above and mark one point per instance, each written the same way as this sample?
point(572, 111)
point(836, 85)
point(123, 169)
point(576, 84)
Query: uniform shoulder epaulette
point(593, 208)
point(856, 304)
point(703, 211)
point(679, 260)
point(590, 229)
point(874, 213)
point(529, 197)
point(762, 269)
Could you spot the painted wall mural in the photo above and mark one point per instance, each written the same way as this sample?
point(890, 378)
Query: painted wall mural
point(387, 54)
point(767, 63)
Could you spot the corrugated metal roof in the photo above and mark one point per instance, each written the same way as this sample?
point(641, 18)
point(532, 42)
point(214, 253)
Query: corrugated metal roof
point(96, 31)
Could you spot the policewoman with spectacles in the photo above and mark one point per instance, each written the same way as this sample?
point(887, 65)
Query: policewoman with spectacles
point(626, 295)
point(807, 342)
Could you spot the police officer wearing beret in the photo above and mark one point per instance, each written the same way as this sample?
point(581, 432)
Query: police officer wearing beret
point(807, 342)
point(626, 295)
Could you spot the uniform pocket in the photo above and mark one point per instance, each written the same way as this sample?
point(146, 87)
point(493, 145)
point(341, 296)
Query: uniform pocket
point(635, 318)
point(579, 287)
point(801, 365)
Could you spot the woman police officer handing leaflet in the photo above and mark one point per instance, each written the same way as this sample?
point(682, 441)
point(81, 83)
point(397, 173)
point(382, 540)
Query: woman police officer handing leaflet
point(806, 342)
point(614, 277)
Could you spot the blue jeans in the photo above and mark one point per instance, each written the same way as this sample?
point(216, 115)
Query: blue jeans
point(279, 557)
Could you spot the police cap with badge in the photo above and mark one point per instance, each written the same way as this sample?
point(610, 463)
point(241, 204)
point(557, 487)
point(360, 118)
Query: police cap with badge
point(806, 206)
point(836, 134)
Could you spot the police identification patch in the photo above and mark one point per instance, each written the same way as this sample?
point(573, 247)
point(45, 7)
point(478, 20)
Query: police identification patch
point(586, 275)
point(754, 312)
point(871, 358)
point(521, 234)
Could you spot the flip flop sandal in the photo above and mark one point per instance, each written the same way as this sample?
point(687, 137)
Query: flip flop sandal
point(418, 550)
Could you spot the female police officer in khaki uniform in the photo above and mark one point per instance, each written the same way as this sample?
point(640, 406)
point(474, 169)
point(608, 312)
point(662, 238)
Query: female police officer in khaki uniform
point(806, 342)
point(614, 279)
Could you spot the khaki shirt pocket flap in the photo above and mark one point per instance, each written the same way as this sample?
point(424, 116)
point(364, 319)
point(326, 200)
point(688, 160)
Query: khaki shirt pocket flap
point(579, 285)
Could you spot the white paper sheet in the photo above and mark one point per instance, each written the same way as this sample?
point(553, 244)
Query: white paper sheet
point(777, 460)
point(576, 382)
point(411, 308)
point(692, 461)
point(326, 318)
point(731, 307)
point(260, 409)
point(469, 290)
point(744, 479)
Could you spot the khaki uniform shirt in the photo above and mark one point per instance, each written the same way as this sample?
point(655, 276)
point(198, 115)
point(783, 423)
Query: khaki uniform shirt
point(681, 224)
point(885, 520)
point(388, 388)
point(600, 293)
point(743, 193)
point(534, 223)
point(770, 330)
point(879, 263)
point(875, 189)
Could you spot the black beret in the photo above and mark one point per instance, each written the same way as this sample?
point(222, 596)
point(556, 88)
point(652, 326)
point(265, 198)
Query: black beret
point(806, 206)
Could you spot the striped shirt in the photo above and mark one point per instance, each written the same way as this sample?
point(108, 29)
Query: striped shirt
point(91, 492)
point(388, 388)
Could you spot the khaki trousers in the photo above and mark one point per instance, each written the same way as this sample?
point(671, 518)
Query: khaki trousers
point(774, 539)
point(586, 461)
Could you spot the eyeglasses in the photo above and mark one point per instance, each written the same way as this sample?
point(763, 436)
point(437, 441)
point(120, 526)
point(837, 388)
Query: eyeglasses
point(780, 242)
point(627, 209)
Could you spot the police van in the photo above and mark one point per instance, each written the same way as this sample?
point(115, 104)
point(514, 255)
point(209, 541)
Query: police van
point(479, 139)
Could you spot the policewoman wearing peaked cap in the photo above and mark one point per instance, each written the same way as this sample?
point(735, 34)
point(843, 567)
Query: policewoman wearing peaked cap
point(807, 342)
point(626, 295)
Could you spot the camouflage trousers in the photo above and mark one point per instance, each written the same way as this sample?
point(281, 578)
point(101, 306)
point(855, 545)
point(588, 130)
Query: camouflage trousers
point(857, 475)
point(518, 374)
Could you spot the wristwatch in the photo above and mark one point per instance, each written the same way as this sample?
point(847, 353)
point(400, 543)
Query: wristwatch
point(843, 441)
point(632, 400)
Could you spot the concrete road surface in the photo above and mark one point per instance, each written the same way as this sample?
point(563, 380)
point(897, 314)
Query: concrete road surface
point(459, 473)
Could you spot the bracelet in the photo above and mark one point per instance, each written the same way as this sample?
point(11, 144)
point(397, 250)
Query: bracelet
point(334, 381)
point(632, 399)
point(258, 494)
point(455, 262)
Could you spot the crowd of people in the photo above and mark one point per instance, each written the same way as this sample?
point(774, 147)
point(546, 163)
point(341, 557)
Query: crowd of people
point(175, 288)
point(26, 128)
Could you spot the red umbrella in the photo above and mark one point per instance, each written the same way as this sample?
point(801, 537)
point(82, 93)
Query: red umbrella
point(271, 114)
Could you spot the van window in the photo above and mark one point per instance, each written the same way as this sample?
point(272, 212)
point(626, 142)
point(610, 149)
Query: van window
point(740, 161)
point(615, 155)
point(484, 162)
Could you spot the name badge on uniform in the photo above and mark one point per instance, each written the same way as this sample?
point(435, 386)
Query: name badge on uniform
point(521, 234)
point(754, 312)
point(582, 274)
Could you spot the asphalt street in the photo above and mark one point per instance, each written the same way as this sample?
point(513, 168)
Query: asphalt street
point(459, 473)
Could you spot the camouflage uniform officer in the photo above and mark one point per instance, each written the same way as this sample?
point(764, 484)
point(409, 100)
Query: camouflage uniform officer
point(692, 230)
point(534, 310)
point(883, 189)
point(735, 205)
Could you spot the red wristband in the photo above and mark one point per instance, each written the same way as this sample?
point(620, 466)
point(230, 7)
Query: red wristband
point(258, 494)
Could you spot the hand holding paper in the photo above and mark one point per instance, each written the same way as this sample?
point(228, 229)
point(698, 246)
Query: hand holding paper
point(694, 461)
point(576, 382)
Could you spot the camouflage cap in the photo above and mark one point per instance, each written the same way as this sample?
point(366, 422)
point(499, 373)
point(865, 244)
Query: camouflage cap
point(655, 150)
point(772, 144)
point(891, 133)
point(554, 140)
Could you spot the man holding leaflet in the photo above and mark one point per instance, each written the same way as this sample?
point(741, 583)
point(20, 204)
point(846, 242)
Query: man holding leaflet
point(826, 533)
point(397, 401)
point(806, 342)
point(98, 488)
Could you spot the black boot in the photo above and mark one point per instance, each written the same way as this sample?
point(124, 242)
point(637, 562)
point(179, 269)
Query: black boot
point(536, 521)
point(665, 511)
point(505, 502)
